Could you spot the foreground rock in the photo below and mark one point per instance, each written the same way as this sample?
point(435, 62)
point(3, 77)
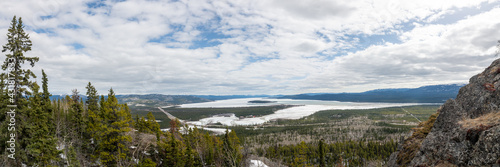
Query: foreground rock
point(467, 130)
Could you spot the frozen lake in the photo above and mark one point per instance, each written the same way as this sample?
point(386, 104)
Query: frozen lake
point(307, 108)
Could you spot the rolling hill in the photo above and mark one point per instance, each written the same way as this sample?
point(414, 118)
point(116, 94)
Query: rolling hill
point(425, 94)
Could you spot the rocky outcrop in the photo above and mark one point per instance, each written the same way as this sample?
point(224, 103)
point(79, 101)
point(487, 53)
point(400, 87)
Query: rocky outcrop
point(467, 130)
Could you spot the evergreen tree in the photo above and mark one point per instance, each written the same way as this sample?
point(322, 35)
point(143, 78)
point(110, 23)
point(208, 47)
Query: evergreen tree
point(147, 162)
point(76, 117)
point(40, 142)
point(93, 120)
point(190, 153)
point(171, 151)
point(322, 152)
point(4, 101)
point(111, 138)
point(18, 43)
point(149, 126)
point(231, 149)
point(92, 101)
point(152, 125)
point(72, 158)
point(76, 127)
point(300, 155)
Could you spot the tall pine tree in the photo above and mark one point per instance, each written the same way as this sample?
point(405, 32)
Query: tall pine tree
point(40, 142)
point(18, 43)
point(93, 120)
point(111, 138)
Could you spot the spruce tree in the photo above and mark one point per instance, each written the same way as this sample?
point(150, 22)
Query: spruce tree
point(111, 138)
point(40, 142)
point(322, 152)
point(4, 132)
point(93, 120)
point(92, 101)
point(153, 126)
point(300, 155)
point(232, 155)
point(18, 43)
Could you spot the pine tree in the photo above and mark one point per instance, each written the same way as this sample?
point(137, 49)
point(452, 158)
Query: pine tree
point(322, 152)
point(76, 137)
point(72, 158)
point(231, 149)
point(153, 126)
point(189, 153)
point(93, 120)
point(18, 43)
point(147, 162)
point(111, 138)
point(40, 142)
point(92, 98)
point(301, 155)
point(171, 151)
point(77, 117)
point(4, 120)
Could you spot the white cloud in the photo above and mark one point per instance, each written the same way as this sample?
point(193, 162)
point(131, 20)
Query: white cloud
point(254, 47)
point(430, 54)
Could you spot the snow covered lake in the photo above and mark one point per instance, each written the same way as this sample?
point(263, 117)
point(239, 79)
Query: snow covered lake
point(306, 108)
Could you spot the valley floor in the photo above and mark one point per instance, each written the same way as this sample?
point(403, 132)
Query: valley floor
point(358, 137)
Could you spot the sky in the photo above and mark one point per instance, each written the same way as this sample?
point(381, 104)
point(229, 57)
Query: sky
point(223, 47)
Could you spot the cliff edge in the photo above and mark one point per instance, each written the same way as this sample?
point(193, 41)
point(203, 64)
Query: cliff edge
point(465, 133)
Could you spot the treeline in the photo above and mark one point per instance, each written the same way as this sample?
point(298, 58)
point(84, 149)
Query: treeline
point(348, 153)
point(99, 131)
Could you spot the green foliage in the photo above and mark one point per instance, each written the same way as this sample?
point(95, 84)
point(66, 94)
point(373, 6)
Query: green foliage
point(322, 153)
point(111, 139)
point(18, 44)
point(198, 149)
point(149, 126)
point(300, 155)
point(147, 162)
point(40, 142)
point(232, 150)
point(72, 159)
point(421, 112)
point(309, 154)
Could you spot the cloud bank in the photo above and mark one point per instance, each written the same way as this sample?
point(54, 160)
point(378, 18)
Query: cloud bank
point(256, 47)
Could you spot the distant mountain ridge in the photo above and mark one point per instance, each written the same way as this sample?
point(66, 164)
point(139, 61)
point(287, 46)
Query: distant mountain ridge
point(425, 94)
point(159, 100)
point(226, 97)
point(151, 100)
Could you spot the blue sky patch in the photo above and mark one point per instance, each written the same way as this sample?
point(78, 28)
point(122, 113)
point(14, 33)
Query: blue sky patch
point(77, 46)
point(46, 17)
point(70, 26)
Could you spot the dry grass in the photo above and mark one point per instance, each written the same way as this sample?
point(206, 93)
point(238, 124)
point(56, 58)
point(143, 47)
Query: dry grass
point(490, 119)
point(495, 70)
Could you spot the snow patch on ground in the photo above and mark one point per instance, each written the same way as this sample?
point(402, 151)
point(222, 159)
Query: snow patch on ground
point(257, 163)
point(292, 113)
point(217, 131)
point(227, 103)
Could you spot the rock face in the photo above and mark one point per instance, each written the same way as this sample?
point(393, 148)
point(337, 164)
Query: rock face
point(467, 130)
